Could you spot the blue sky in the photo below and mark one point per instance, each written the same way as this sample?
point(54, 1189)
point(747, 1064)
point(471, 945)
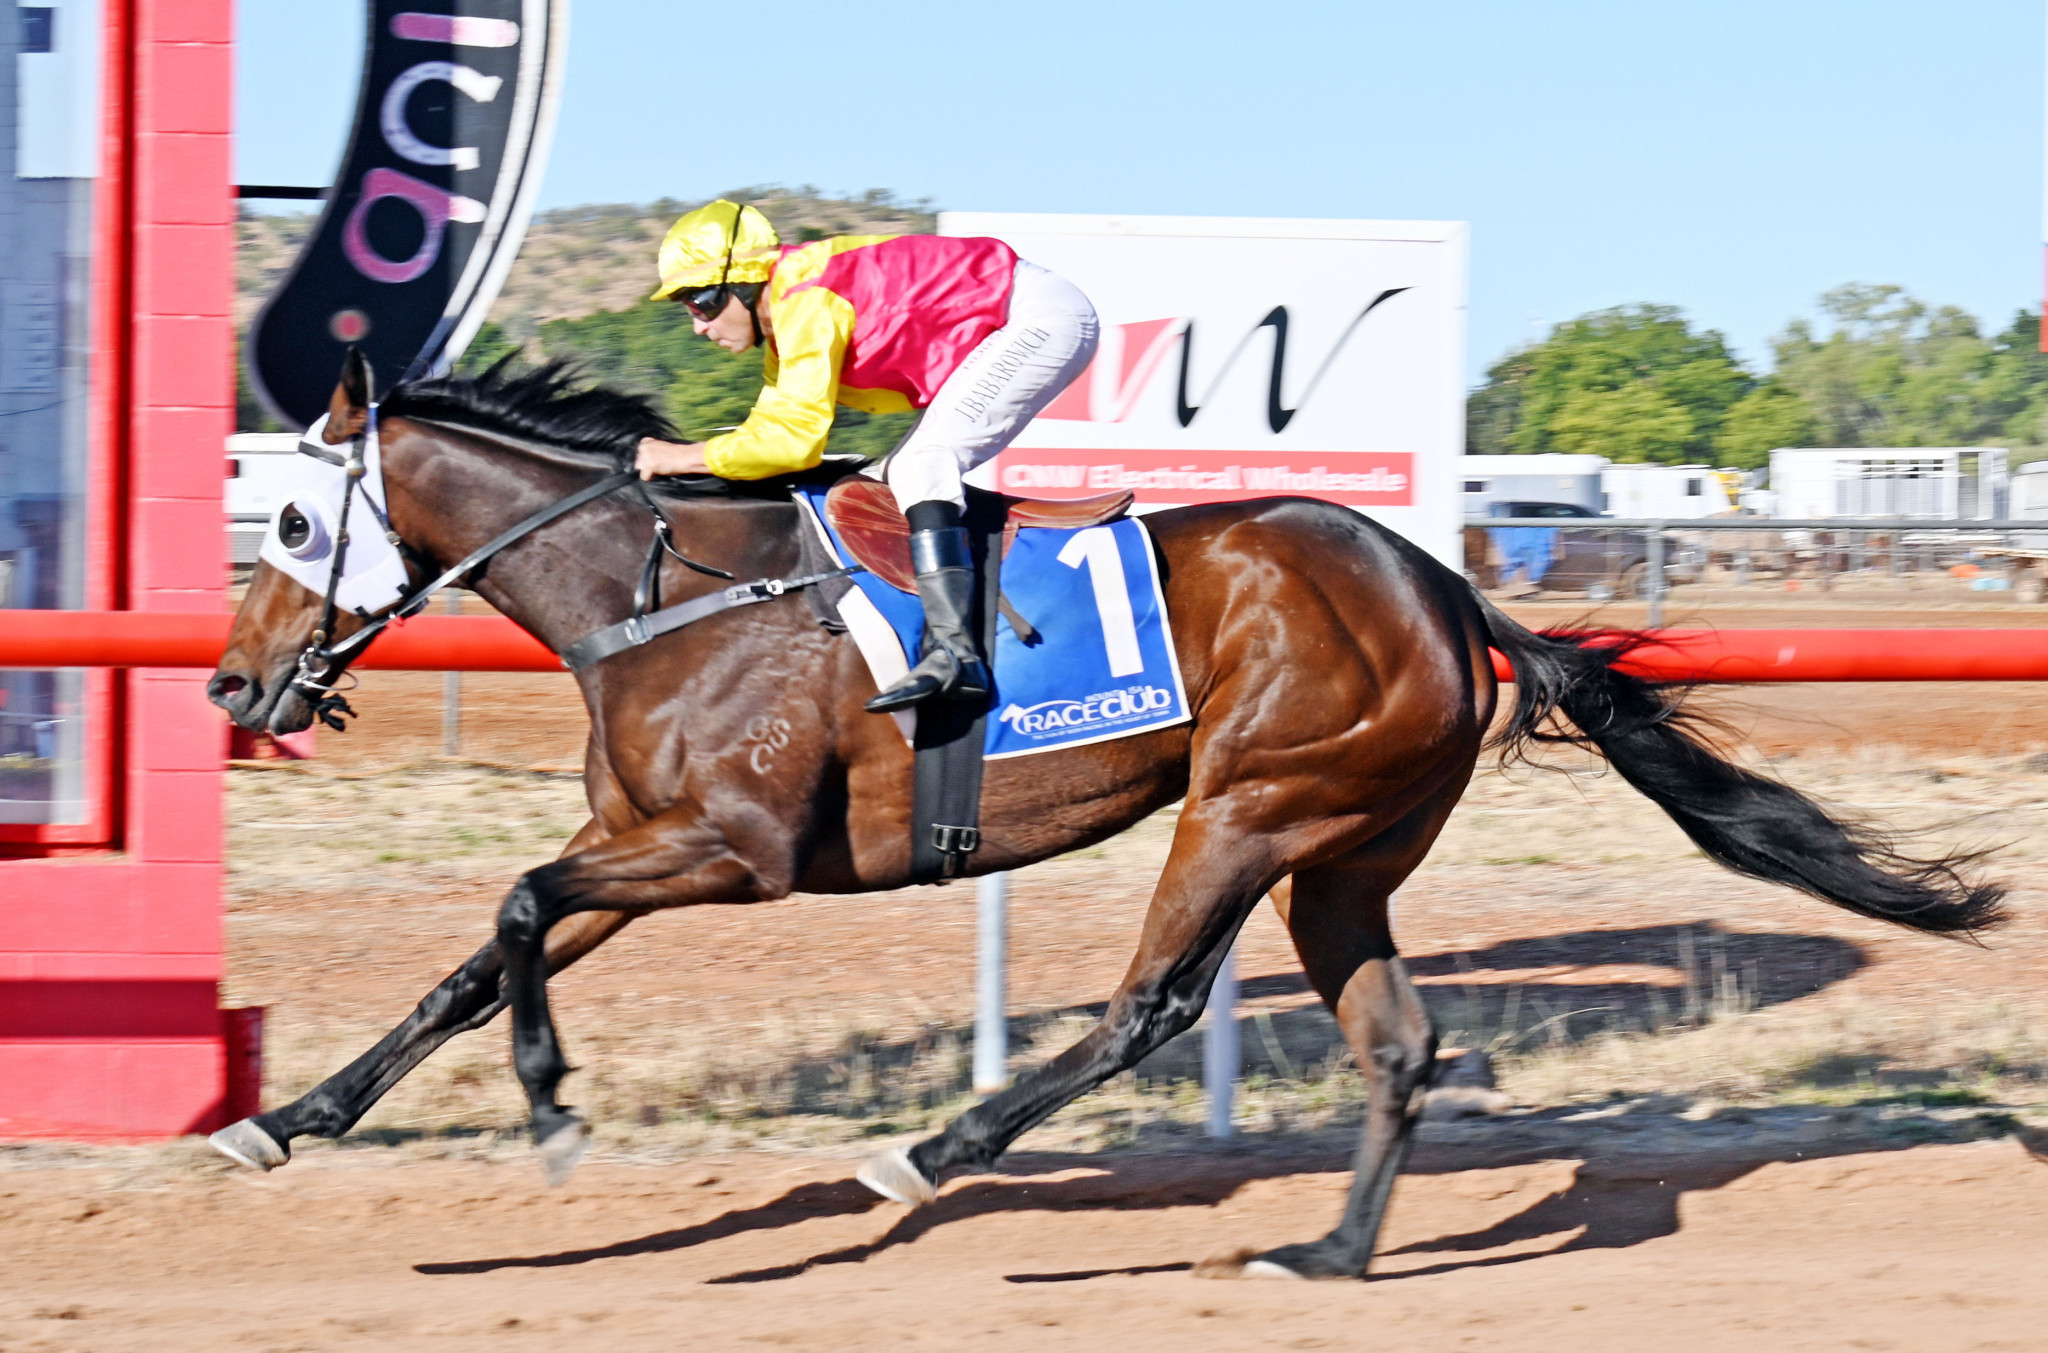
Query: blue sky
point(1734, 159)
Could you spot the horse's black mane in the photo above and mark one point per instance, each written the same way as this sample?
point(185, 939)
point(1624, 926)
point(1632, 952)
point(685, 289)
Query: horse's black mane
point(555, 405)
point(552, 403)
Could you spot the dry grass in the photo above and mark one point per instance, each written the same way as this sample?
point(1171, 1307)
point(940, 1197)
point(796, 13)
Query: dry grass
point(1855, 1051)
point(423, 829)
point(1574, 932)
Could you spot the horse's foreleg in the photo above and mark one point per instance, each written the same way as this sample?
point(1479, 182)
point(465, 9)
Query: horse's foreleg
point(1337, 915)
point(670, 861)
point(1211, 882)
point(466, 999)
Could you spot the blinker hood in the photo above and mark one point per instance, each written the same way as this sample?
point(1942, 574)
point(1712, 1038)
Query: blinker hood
point(373, 575)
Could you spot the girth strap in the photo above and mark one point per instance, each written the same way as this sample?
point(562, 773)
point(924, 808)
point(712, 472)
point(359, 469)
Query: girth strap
point(945, 793)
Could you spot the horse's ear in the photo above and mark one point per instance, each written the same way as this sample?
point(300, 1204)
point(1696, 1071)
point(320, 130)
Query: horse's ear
point(348, 412)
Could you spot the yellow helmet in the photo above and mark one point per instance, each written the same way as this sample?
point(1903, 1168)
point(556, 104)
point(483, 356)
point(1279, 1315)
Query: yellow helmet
point(717, 243)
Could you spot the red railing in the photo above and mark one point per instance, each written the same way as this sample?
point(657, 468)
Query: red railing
point(459, 643)
point(1757, 655)
point(494, 644)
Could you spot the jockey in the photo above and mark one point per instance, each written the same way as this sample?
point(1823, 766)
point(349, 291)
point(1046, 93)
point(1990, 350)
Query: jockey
point(962, 329)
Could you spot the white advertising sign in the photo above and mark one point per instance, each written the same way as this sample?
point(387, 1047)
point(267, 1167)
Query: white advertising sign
point(1242, 358)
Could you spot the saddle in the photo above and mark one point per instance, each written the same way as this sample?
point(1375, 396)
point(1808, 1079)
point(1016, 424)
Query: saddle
point(945, 800)
point(864, 513)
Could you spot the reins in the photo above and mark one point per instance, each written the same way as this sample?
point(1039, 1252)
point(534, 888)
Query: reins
point(647, 595)
point(648, 620)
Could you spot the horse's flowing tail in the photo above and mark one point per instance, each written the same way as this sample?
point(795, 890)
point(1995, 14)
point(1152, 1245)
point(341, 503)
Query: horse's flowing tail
point(1751, 823)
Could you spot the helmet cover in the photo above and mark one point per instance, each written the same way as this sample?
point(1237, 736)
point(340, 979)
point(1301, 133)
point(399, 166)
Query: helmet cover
point(719, 242)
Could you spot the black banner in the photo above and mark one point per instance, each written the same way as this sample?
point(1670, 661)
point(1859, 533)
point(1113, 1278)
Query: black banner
point(431, 203)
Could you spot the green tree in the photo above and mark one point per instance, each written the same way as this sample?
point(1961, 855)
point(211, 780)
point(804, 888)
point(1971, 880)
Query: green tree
point(490, 344)
point(1632, 423)
point(2015, 386)
point(1896, 372)
point(1494, 411)
point(1877, 368)
point(250, 415)
point(1768, 417)
point(1634, 383)
point(651, 348)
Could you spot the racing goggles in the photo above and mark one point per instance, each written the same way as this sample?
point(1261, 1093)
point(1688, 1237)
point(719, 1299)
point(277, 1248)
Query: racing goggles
point(708, 303)
point(705, 303)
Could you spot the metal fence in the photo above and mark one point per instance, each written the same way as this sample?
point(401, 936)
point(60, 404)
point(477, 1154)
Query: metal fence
point(1644, 559)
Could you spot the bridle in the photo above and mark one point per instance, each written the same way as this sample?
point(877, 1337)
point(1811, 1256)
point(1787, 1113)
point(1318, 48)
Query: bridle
point(321, 662)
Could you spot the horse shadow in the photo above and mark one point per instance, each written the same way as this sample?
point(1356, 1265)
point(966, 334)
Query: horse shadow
point(1612, 1202)
point(1609, 1205)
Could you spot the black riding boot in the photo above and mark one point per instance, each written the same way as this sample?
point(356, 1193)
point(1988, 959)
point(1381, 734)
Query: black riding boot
point(952, 667)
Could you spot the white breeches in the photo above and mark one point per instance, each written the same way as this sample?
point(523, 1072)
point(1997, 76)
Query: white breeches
point(1016, 371)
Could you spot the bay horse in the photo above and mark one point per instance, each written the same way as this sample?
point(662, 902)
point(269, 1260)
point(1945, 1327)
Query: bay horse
point(1341, 691)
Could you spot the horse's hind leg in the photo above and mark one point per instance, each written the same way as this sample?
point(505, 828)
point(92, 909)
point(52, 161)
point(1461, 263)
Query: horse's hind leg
point(466, 999)
point(1211, 882)
point(1337, 914)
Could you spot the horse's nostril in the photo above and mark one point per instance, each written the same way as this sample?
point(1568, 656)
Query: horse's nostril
point(223, 689)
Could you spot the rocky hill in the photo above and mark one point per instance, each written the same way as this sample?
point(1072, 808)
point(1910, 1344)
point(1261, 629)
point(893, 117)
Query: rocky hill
point(579, 261)
point(579, 291)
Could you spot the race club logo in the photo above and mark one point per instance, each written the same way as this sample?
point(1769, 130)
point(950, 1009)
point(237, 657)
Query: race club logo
point(1107, 710)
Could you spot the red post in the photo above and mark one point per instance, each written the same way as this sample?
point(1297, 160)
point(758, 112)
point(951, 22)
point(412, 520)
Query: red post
point(242, 1039)
point(110, 934)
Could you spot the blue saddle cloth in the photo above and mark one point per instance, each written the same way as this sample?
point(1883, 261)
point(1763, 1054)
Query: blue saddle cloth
point(1102, 665)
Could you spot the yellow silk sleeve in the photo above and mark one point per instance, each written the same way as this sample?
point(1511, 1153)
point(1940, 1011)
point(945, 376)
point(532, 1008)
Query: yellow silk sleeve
point(787, 428)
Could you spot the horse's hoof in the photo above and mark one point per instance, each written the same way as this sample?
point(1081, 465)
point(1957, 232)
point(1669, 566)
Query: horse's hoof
point(562, 1150)
point(1299, 1263)
point(1266, 1268)
point(247, 1144)
point(893, 1176)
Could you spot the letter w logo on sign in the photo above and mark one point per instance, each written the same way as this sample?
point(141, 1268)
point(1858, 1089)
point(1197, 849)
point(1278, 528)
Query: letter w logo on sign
point(1278, 415)
point(1107, 390)
point(1132, 353)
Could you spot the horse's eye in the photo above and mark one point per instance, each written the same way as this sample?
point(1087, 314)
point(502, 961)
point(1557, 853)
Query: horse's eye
point(300, 533)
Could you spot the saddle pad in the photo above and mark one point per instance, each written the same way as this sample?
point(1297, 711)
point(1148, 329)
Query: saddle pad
point(1103, 666)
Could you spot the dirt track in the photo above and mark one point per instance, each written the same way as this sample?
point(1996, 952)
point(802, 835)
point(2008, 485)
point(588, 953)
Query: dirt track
point(1935, 1248)
point(1629, 1215)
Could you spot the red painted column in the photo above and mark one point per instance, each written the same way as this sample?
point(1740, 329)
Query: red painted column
point(110, 960)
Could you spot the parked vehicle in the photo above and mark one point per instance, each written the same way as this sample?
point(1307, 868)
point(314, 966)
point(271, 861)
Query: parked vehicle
point(1551, 477)
point(1946, 483)
point(1603, 563)
point(1664, 491)
point(260, 475)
